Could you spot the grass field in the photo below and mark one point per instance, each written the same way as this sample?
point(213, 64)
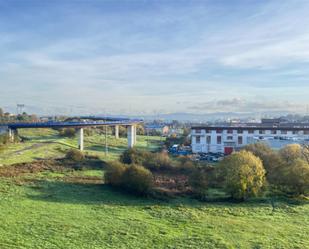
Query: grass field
point(45, 143)
point(74, 209)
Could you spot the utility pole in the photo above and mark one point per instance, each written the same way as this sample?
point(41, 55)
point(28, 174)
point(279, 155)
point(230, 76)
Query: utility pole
point(106, 149)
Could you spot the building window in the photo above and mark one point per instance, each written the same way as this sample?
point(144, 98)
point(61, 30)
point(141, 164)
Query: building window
point(239, 140)
point(306, 132)
point(208, 131)
point(208, 139)
point(261, 132)
point(219, 139)
point(219, 131)
point(295, 132)
point(239, 131)
point(284, 132)
point(229, 137)
point(251, 131)
point(198, 131)
point(229, 131)
point(273, 132)
point(198, 139)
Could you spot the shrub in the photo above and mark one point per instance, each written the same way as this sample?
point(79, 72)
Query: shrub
point(134, 156)
point(137, 179)
point(152, 161)
point(4, 139)
point(157, 161)
point(114, 173)
point(186, 164)
point(75, 155)
point(243, 175)
point(67, 132)
point(201, 179)
point(198, 180)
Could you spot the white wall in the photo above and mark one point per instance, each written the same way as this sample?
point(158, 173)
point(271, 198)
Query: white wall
point(248, 138)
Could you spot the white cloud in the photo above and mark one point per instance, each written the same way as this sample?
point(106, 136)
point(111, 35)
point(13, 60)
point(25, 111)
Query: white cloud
point(104, 66)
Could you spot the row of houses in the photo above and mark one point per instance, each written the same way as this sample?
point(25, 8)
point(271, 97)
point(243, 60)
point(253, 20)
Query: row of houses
point(226, 138)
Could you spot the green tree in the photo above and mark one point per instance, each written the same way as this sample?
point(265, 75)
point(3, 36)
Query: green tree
point(291, 152)
point(293, 175)
point(243, 174)
point(296, 176)
point(271, 159)
point(305, 151)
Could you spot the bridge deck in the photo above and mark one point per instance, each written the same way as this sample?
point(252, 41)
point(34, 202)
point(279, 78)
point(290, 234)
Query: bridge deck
point(71, 124)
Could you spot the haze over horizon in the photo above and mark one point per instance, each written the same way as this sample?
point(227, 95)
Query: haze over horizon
point(145, 57)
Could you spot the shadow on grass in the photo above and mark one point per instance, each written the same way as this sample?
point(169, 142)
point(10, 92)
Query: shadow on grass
point(101, 148)
point(41, 137)
point(85, 193)
point(89, 193)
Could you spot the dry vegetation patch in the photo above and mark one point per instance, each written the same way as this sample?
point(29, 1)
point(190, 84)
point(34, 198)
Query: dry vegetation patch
point(173, 183)
point(33, 167)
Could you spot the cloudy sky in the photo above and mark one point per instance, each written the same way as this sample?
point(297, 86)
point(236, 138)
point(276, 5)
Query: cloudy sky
point(154, 56)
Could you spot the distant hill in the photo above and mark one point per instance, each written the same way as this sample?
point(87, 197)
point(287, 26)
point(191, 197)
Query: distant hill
point(192, 117)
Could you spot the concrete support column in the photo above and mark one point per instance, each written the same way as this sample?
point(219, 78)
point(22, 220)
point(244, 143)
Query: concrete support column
point(117, 131)
point(81, 139)
point(131, 136)
point(11, 135)
point(135, 132)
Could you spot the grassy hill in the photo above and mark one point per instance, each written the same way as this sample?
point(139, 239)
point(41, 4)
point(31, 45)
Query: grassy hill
point(46, 143)
point(48, 204)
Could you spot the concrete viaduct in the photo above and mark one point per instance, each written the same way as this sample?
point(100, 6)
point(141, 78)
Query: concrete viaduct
point(11, 128)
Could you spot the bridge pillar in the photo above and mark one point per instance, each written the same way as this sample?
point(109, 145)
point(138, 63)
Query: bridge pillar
point(135, 132)
point(81, 139)
point(131, 136)
point(11, 135)
point(116, 131)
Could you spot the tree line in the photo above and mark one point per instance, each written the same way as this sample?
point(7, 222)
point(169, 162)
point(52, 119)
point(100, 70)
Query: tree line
point(256, 170)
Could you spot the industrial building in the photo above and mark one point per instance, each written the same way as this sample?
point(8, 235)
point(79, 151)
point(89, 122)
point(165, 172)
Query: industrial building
point(161, 129)
point(226, 138)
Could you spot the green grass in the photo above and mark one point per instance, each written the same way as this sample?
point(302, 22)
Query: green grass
point(50, 212)
point(45, 143)
point(65, 210)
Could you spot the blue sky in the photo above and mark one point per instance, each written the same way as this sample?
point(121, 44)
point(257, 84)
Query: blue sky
point(154, 56)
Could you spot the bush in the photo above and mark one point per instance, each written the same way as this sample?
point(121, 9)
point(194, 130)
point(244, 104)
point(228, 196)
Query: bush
point(158, 161)
point(152, 161)
point(74, 155)
point(67, 132)
point(137, 179)
point(114, 173)
point(201, 179)
point(4, 139)
point(198, 180)
point(186, 164)
point(243, 175)
point(134, 156)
